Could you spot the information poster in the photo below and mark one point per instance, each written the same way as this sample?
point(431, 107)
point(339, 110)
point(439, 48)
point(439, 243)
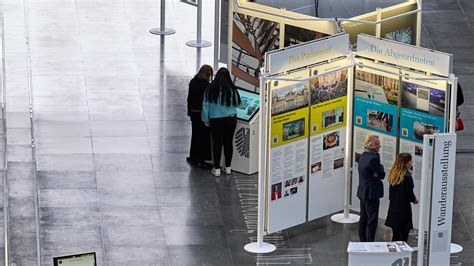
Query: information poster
point(327, 141)
point(422, 112)
point(376, 96)
point(288, 155)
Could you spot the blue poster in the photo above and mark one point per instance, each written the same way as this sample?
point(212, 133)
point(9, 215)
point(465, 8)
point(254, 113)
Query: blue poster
point(415, 124)
point(375, 116)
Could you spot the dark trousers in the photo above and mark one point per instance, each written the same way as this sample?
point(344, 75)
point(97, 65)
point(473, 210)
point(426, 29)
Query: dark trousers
point(200, 139)
point(222, 132)
point(369, 217)
point(400, 234)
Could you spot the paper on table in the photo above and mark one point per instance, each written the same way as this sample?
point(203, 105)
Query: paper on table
point(358, 246)
point(382, 247)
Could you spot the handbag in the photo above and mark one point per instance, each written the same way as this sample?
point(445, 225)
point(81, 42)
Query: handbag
point(459, 124)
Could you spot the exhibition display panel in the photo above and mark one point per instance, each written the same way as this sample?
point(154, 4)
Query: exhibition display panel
point(328, 134)
point(257, 29)
point(245, 152)
point(376, 96)
point(307, 119)
point(289, 110)
point(316, 112)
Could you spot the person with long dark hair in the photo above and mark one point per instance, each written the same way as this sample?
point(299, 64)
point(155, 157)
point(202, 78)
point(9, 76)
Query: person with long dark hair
point(200, 150)
point(401, 194)
point(219, 111)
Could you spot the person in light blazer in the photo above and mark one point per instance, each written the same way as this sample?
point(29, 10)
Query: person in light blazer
point(401, 196)
point(370, 190)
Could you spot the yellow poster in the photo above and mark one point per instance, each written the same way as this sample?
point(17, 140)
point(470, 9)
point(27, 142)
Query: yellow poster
point(290, 114)
point(328, 115)
point(289, 127)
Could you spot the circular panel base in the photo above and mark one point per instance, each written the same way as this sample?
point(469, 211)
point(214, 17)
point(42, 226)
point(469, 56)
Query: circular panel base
point(166, 31)
point(202, 44)
point(455, 248)
point(254, 248)
point(339, 218)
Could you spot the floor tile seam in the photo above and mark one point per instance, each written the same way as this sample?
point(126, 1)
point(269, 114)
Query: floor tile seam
point(468, 228)
point(429, 37)
point(31, 119)
point(157, 196)
point(101, 224)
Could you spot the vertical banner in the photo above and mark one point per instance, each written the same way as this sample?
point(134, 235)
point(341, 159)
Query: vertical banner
point(327, 141)
point(376, 96)
point(422, 112)
point(287, 179)
point(442, 194)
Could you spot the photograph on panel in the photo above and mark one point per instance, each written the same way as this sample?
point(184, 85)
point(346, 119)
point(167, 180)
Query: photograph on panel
point(333, 117)
point(293, 129)
point(331, 140)
point(296, 35)
point(316, 167)
point(403, 35)
point(376, 87)
point(379, 120)
point(328, 87)
point(251, 38)
point(289, 98)
point(423, 99)
point(276, 191)
point(420, 129)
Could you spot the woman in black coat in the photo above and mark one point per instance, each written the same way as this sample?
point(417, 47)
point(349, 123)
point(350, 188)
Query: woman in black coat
point(201, 136)
point(401, 196)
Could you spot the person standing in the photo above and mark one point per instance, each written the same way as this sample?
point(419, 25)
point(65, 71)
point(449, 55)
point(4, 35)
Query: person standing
point(200, 150)
point(401, 194)
point(219, 111)
point(370, 190)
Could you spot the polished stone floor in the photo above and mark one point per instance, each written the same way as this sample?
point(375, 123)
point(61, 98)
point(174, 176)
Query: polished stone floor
point(107, 171)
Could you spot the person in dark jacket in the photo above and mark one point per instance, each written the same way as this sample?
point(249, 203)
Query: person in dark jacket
point(219, 111)
point(401, 194)
point(370, 190)
point(201, 135)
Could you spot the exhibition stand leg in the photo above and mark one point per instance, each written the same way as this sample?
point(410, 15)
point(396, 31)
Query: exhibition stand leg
point(455, 248)
point(260, 246)
point(217, 21)
point(346, 217)
point(162, 30)
point(199, 43)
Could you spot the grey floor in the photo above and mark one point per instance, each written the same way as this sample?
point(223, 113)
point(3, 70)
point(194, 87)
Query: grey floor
point(107, 172)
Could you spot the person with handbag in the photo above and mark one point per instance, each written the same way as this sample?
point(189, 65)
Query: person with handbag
point(200, 150)
point(401, 196)
point(219, 111)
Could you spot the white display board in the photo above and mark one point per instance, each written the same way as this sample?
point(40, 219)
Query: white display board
point(405, 55)
point(288, 164)
point(296, 141)
point(442, 196)
point(306, 54)
point(375, 112)
point(417, 119)
point(327, 162)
